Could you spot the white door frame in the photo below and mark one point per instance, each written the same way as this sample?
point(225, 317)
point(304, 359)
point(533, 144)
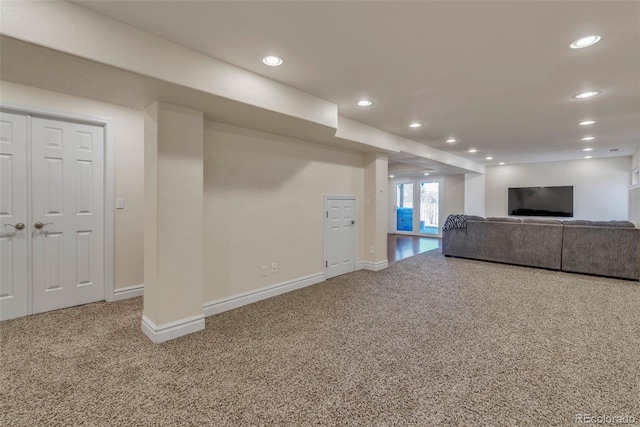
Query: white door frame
point(106, 124)
point(355, 229)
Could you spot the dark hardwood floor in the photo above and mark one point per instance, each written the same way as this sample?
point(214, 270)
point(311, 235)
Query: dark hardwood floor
point(400, 246)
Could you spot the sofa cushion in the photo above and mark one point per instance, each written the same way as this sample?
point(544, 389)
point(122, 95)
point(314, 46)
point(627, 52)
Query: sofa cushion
point(577, 222)
point(473, 218)
point(541, 221)
point(614, 224)
point(503, 219)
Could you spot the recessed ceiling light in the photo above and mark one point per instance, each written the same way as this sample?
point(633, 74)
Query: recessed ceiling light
point(489, 158)
point(588, 157)
point(587, 149)
point(415, 125)
point(473, 150)
point(588, 138)
point(364, 103)
point(501, 163)
point(426, 173)
point(587, 122)
point(272, 61)
point(391, 176)
point(585, 42)
point(451, 140)
point(588, 94)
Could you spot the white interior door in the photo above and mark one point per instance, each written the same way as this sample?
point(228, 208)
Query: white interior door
point(340, 231)
point(14, 230)
point(67, 214)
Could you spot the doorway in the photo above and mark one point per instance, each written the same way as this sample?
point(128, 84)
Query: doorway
point(52, 213)
point(402, 246)
point(418, 207)
point(340, 235)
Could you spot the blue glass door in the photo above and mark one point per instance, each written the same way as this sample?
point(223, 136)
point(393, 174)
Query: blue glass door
point(404, 207)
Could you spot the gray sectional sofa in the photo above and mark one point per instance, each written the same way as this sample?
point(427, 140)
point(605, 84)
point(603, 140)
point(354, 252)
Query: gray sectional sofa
point(610, 248)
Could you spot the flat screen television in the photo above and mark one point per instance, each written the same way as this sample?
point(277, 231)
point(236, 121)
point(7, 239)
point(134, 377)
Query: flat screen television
point(541, 201)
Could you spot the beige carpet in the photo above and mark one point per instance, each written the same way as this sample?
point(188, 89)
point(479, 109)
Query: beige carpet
point(429, 341)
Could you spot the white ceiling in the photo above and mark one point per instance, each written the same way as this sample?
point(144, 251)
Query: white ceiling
point(497, 76)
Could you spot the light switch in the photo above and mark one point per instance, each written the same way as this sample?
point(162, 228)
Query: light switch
point(119, 203)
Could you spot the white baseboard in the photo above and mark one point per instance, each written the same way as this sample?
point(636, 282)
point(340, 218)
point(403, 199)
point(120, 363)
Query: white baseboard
point(372, 266)
point(172, 330)
point(224, 304)
point(128, 292)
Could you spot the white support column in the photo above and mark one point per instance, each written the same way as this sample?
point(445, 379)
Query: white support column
point(173, 192)
point(634, 189)
point(474, 194)
point(375, 221)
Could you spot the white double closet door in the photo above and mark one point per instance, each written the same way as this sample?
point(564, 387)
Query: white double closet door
point(51, 214)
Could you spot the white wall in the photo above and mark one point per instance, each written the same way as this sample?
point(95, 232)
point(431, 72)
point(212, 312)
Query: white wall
point(635, 165)
point(600, 186)
point(474, 194)
point(127, 127)
point(454, 195)
point(264, 203)
point(634, 190)
point(391, 202)
point(634, 205)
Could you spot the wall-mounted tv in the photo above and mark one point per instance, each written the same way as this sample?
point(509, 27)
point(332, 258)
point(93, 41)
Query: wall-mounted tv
point(541, 201)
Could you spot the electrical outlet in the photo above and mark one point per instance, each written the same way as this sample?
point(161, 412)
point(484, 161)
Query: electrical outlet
point(371, 249)
point(274, 267)
point(263, 271)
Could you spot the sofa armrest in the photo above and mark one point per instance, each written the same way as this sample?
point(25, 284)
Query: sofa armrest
point(605, 251)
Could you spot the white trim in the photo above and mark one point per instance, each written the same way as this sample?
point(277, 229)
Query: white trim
point(109, 167)
point(55, 115)
point(360, 265)
point(29, 219)
point(428, 236)
point(224, 304)
point(172, 330)
point(339, 197)
point(109, 221)
point(129, 292)
point(374, 266)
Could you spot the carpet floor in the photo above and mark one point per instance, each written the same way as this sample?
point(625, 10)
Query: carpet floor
point(428, 341)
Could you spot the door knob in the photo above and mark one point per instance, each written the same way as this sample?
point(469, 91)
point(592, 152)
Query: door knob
point(40, 225)
point(352, 222)
point(18, 226)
